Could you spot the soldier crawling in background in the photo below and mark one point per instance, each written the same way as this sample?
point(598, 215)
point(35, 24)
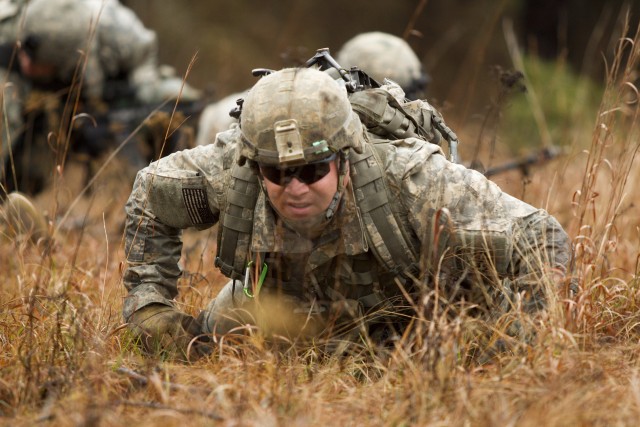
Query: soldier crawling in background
point(329, 233)
point(79, 76)
point(71, 57)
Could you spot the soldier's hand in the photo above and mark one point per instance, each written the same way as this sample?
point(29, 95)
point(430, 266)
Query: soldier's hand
point(165, 331)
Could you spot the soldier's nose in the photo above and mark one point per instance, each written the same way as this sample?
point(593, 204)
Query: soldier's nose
point(296, 187)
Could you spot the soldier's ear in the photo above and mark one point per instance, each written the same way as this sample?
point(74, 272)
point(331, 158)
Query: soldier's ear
point(347, 177)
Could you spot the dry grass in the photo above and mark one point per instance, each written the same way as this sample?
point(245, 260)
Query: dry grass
point(66, 358)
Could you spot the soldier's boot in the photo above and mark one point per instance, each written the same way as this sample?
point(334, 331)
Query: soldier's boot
point(22, 218)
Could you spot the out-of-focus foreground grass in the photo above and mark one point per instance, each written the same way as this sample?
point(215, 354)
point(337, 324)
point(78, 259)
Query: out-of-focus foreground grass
point(66, 360)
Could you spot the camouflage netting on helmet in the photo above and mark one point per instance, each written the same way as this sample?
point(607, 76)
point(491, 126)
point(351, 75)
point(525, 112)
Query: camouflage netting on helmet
point(297, 115)
point(382, 55)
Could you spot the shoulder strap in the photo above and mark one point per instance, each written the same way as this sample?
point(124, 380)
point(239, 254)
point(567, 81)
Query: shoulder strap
point(236, 223)
point(387, 236)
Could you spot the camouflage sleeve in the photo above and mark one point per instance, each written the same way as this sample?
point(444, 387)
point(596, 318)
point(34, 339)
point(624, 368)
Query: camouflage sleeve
point(538, 263)
point(179, 191)
point(528, 247)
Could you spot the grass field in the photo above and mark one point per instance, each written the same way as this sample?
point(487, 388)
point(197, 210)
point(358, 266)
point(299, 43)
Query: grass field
point(66, 359)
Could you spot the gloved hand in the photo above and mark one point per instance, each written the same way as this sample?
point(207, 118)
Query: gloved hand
point(164, 330)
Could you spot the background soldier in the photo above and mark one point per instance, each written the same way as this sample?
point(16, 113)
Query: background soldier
point(72, 57)
point(326, 229)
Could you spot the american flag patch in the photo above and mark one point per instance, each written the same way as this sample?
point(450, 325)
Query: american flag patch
point(197, 204)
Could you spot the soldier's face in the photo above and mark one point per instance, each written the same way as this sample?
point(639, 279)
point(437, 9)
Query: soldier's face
point(297, 200)
point(35, 70)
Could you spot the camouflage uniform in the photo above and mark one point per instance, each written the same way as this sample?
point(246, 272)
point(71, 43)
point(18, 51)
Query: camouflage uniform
point(312, 279)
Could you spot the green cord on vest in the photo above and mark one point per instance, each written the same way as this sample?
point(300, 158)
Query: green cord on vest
point(263, 275)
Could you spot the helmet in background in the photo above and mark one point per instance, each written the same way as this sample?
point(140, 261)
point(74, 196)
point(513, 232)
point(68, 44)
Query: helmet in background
point(382, 55)
point(56, 31)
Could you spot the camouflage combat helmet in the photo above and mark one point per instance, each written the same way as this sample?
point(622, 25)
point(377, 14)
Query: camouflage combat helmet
point(10, 14)
point(296, 116)
point(383, 55)
point(56, 31)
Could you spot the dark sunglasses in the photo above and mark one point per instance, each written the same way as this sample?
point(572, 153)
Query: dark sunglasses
point(308, 174)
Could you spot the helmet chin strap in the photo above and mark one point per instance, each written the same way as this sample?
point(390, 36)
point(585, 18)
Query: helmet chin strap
point(342, 172)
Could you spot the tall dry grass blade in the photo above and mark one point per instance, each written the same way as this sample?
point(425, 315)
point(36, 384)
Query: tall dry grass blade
point(412, 21)
point(619, 77)
point(532, 97)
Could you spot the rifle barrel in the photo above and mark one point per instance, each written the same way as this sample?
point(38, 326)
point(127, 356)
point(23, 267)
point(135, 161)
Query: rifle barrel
point(546, 154)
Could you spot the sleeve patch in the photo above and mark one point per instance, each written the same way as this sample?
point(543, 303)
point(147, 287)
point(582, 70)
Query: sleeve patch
point(197, 204)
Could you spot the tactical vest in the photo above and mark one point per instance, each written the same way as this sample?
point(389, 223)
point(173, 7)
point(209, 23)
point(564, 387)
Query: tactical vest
point(390, 244)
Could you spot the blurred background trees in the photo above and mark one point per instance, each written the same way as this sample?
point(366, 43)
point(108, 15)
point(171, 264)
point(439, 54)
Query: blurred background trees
point(462, 43)
point(452, 36)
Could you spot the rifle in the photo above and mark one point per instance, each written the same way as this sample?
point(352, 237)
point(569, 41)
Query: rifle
point(157, 130)
point(139, 134)
point(524, 163)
